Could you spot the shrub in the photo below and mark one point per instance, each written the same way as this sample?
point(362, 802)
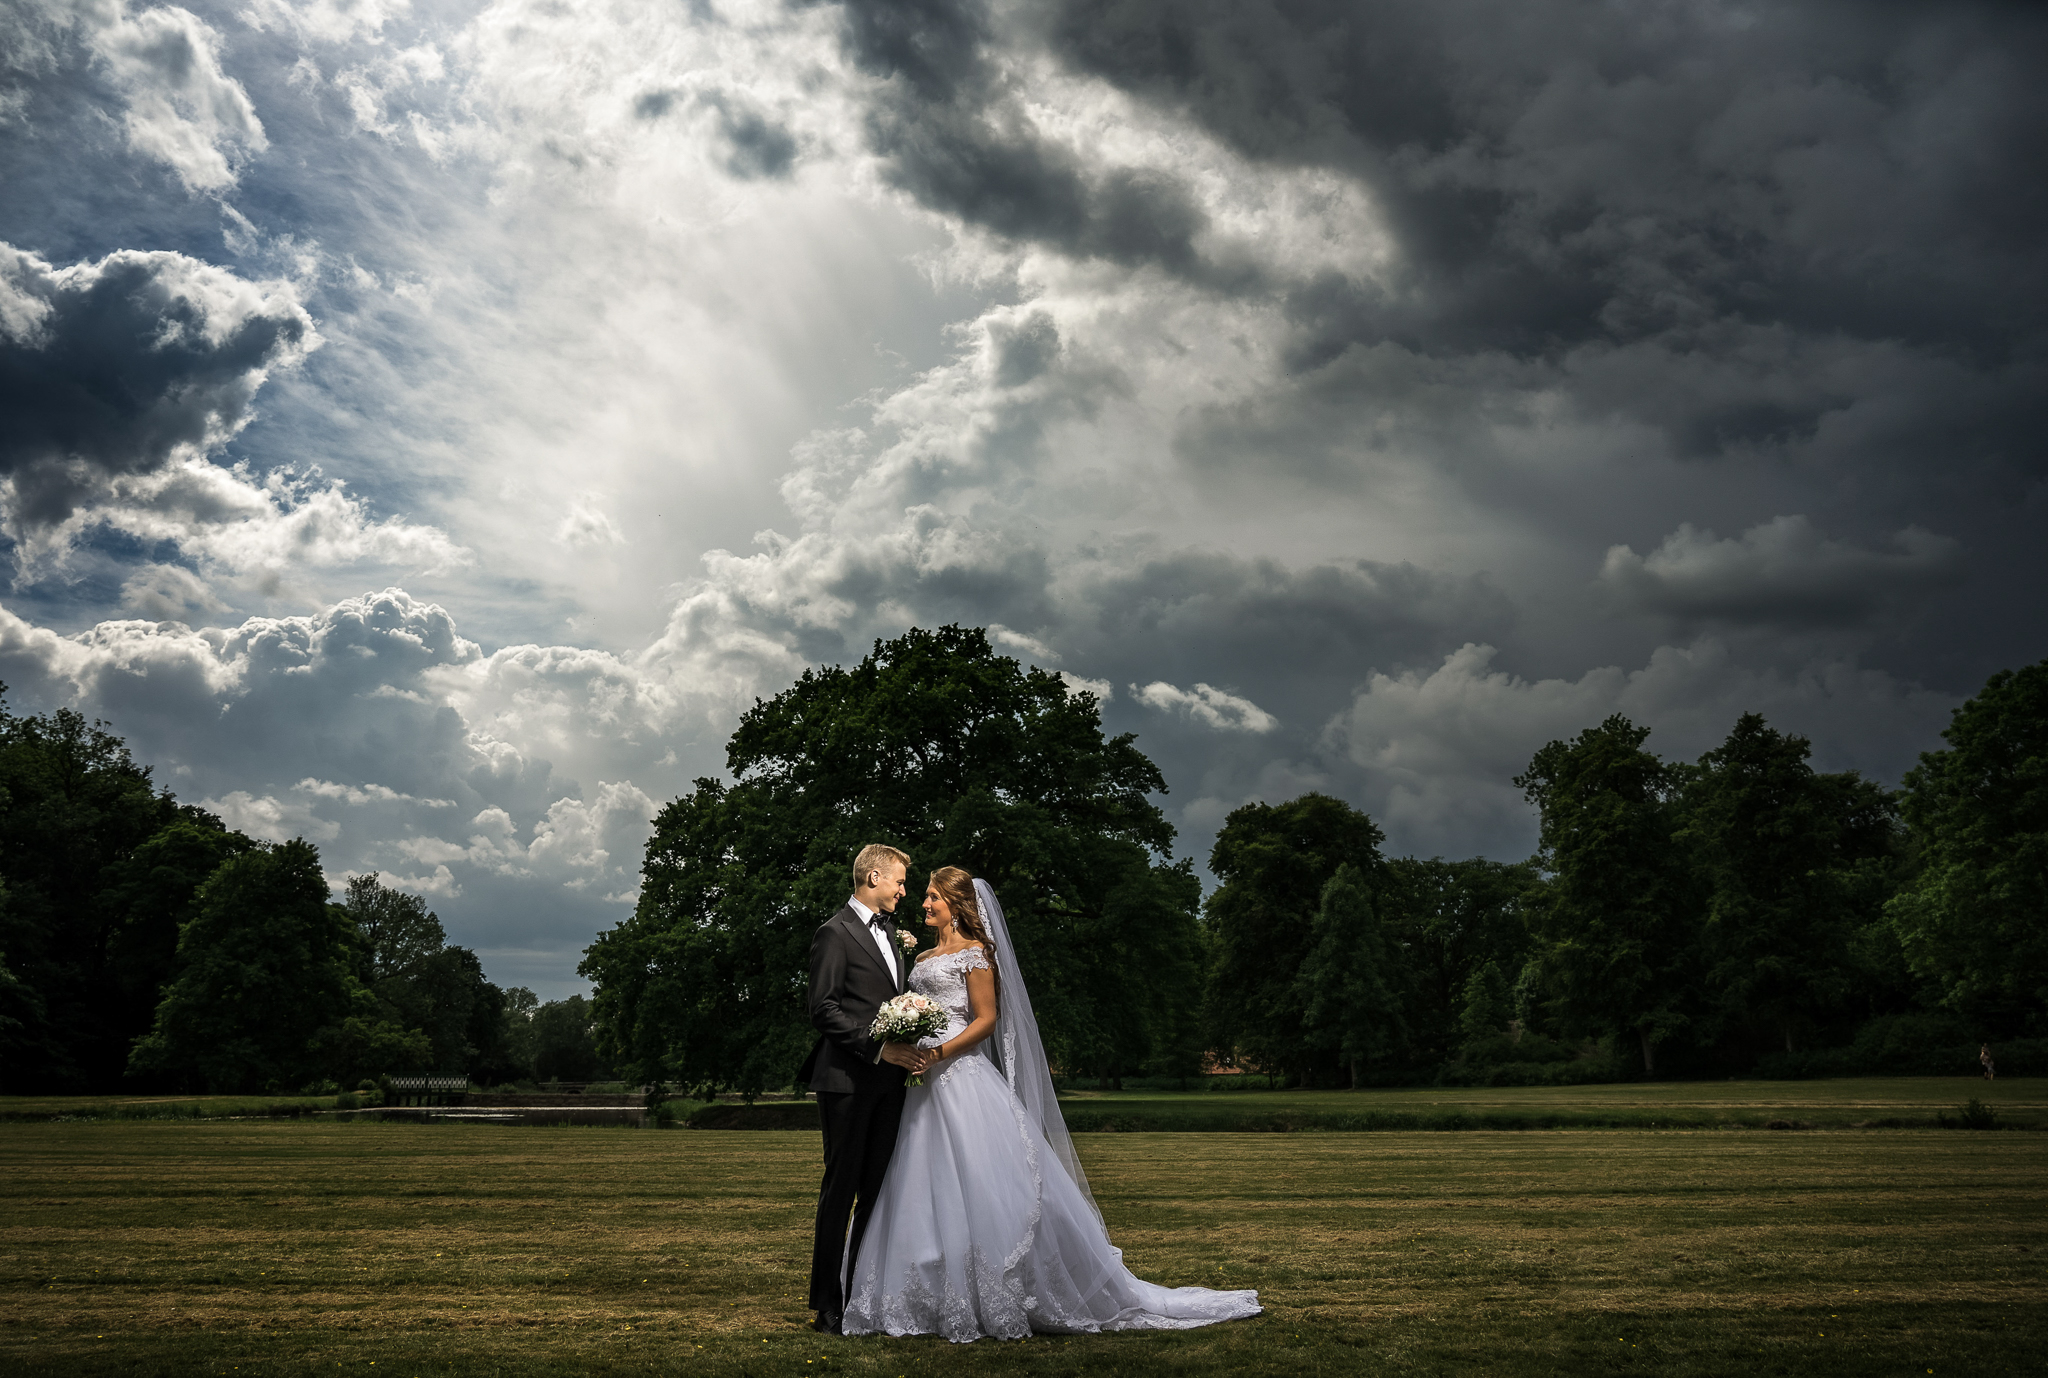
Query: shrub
point(1504, 1048)
point(1908, 1045)
point(1973, 1115)
point(1578, 1072)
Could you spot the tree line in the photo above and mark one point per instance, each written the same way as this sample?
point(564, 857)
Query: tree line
point(144, 945)
point(1740, 914)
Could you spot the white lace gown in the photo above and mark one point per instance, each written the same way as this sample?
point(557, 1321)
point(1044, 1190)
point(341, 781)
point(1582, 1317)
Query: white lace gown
point(979, 1230)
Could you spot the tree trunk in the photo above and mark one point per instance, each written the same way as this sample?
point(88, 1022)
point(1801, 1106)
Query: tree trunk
point(1788, 1040)
point(1649, 1053)
point(1354, 1074)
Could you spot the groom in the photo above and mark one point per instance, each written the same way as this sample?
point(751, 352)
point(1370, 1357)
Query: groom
point(855, 967)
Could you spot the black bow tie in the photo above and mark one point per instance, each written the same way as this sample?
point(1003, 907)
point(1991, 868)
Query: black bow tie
point(877, 920)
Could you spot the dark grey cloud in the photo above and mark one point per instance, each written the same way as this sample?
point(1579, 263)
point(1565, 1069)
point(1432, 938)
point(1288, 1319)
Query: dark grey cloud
point(757, 146)
point(1484, 292)
point(1026, 350)
point(652, 105)
point(114, 368)
point(1783, 573)
point(1586, 176)
point(1800, 246)
point(948, 125)
point(1281, 629)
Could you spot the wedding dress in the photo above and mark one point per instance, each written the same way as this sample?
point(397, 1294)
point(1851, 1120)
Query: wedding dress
point(984, 1224)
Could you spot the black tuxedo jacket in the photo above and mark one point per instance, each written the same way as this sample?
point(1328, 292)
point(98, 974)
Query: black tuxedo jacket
point(849, 982)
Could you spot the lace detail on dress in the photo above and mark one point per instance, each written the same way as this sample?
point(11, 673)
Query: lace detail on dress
point(944, 980)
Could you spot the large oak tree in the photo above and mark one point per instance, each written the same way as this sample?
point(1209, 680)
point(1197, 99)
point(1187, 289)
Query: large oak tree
point(960, 756)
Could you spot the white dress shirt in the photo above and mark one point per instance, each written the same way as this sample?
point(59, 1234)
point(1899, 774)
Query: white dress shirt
point(885, 941)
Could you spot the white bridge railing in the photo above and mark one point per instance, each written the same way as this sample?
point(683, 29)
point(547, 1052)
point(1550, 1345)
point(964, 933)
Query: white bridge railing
point(429, 1090)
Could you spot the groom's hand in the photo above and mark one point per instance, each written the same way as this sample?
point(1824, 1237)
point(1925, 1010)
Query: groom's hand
point(905, 1055)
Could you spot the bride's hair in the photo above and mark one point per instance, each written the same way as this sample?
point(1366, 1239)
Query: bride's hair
point(957, 886)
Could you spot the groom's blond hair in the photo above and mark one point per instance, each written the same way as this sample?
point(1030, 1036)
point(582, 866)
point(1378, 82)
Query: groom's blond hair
point(873, 857)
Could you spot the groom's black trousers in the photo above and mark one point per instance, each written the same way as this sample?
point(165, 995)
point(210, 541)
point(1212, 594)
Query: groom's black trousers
point(860, 1136)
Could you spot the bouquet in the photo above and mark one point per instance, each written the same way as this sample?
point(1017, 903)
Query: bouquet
point(906, 1019)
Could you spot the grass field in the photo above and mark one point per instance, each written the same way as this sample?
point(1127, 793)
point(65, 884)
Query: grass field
point(1898, 1102)
point(155, 1107)
point(1906, 1102)
point(255, 1248)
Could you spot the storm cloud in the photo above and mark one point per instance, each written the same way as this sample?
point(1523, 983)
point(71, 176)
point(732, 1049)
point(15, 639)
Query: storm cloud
point(1351, 396)
point(116, 368)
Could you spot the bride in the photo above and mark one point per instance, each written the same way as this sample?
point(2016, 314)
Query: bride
point(984, 1224)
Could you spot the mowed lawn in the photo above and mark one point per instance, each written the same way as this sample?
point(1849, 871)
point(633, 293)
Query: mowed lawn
point(1889, 1102)
point(2023, 1097)
point(292, 1247)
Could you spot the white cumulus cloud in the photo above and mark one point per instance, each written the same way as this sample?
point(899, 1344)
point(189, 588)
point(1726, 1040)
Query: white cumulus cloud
point(183, 110)
point(1215, 708)
point(1081, 684)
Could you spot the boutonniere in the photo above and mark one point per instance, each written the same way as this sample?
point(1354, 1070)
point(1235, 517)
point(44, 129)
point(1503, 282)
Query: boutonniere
point(906, 940)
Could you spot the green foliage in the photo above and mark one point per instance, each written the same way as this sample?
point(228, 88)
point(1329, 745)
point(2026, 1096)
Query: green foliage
point(149, 897)
point(1973, 919)
point(102, 911)
point(367, 1041)
point(1346, 986)
point(1620, 927)
point(1489, 1004)
point(1786, 857)
point(958, 755)
point(264, 966)
point(1274, 862)
point(21, 1011)
point(515, 1031)
point(1450, 919)
point(565, 1042)
point(74, 808)
point(423, 985)
point(1544, 1063)
point(396, 934)
point(1497, 1049)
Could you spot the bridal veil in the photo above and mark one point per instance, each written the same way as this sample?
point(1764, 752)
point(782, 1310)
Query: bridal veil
point(1016, 1047)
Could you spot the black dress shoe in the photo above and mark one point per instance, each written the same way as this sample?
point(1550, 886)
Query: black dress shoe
point(828, 1322)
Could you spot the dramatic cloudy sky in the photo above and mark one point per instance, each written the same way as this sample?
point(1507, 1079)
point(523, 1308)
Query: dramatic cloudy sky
point(424, 426)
